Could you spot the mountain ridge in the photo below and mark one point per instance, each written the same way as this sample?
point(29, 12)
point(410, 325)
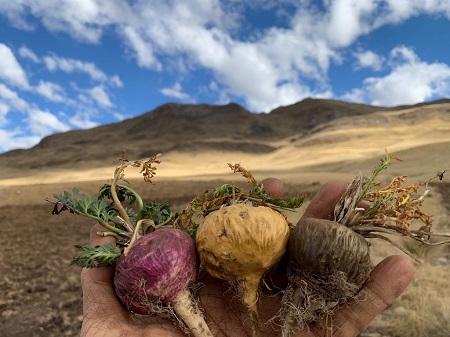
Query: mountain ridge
point(189, 128)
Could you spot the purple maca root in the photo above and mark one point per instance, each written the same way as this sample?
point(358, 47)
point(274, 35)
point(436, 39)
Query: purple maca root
point(156, 275)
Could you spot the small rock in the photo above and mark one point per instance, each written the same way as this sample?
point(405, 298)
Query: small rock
point(443, 260)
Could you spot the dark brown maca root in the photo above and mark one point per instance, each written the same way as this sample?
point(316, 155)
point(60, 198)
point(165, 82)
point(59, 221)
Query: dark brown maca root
point(329, 263)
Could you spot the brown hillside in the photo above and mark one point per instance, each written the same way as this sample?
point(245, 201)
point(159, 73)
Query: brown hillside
point(180, 127)
point(304, 135)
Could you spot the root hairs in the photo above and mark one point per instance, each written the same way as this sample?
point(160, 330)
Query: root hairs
point(310, 298)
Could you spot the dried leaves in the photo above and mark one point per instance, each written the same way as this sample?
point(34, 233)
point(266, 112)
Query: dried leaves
point(148, 169)
point(370, 210)
point(229, 194)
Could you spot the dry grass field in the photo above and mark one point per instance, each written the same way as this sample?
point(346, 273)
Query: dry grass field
point(40, 293)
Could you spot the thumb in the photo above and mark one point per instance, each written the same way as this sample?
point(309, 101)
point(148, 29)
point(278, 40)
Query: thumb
point(273, 186)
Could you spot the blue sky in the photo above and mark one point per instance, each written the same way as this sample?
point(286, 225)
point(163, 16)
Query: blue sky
point(71, 64)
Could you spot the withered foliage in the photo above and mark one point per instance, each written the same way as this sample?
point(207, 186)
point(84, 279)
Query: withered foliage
point(230, 194)
point(370, 210)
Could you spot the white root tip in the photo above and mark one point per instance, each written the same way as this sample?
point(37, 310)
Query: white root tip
point(188, 311)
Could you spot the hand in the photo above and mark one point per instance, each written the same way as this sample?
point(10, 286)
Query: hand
point(226, 317)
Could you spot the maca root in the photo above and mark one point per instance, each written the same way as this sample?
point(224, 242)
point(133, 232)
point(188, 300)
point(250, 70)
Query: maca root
point(188, 310)
point(184, 312)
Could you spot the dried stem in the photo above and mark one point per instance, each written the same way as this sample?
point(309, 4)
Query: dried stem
point(139, 232)
point(389, 210)
point(395, 244)
point(118, 173)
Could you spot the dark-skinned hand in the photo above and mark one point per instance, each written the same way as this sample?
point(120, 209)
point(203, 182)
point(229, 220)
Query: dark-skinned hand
point(103, 314)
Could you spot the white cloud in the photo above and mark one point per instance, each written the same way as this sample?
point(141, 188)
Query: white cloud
point(276, 66)
point(15, 12)
point(28, 54)
point(10, 69)
point(368, 59)
point(348, 19)
point(143, 50)
point(401, 55)
point(82, 120)
point(11, 98)
point(81, 19)
point(100, 96)
point(395, 11)
point(4, 109)
point(116, 81)
point(15, 139)
point(51, 91)
point(176, 91)
point(70, 65)
point(409, 81)
point(36, 123)
point(354, 95)
point(42, 123)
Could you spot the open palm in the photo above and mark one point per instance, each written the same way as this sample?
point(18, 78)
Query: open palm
point(103, 315)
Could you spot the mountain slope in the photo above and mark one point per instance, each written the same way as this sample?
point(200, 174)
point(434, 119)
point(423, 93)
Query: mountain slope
point(299, 135)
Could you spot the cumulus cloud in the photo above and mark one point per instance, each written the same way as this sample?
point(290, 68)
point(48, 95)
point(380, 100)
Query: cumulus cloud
point(368, 59)
point(15, 13)
point(100, 96)
point(70, 65)
point(116, 81)
point(272, 67)
point(275, 67)
point(42, 122)
point(28, 54)
point(10, 69)
point(82, 120)
point(37, 122)
point(12, 99)
point(16, 139)
point(4, 109)
point(348, 19)
point(51, 91)
point(142, 49)
point(176, 91)
point(409, 81)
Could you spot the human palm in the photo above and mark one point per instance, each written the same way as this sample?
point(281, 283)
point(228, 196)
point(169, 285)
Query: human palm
point(103, 315)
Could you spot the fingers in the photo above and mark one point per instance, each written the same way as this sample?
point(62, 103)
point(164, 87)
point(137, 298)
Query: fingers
point(273, 186)
point(99, 298)
point(323, 203)
point(387, 281)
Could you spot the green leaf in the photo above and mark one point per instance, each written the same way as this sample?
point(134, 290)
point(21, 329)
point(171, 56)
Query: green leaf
point(159, 213)
point(96, 256)
point(85, 205)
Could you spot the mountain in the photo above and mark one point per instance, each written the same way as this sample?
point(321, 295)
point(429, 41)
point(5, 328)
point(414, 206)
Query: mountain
point(193, 129)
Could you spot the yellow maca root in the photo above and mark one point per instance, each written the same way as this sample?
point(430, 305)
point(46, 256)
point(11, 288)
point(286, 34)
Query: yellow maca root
point(239, 244)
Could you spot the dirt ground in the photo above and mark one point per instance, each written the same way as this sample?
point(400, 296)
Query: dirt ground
point(40, 292)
